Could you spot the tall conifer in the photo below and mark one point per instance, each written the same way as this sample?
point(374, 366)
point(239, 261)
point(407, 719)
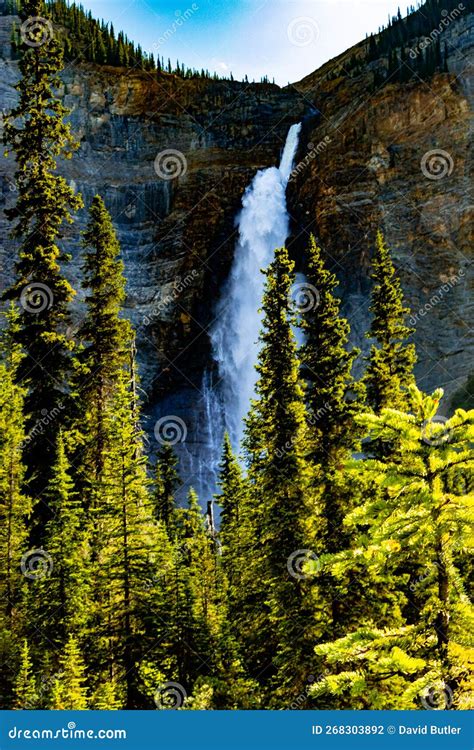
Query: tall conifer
point(390, 369)
point(278, 621)
point(165, 485)
point(69, 692)
point(61, 602)
point(333, 400)
point(38, 135)
point(14, 505)
point(106, 341)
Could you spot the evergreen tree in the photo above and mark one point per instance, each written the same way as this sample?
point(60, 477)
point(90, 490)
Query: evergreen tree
point(391, 361)
point(14, 505)
point(61, 599)
point(232, 495)
point(428, 659)
point(331, 397)
point(24, 693)
point(166, 483)
point(39, 136)
point(196, 611)
point(327, 366)
point(106, 338)
point(69, 692)
point(275, 623)
point(232, 498)
point(127, 546)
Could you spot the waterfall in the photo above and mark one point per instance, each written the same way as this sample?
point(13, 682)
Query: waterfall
point(263, 226)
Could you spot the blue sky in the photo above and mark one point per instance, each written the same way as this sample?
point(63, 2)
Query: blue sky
point(285, 39)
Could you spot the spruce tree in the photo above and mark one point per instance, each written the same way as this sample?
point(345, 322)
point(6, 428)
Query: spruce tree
point(24, 693)
point(165, 485)
point(232, 497)
point(15, 507)
point(426, 661)
point(390, 369)
point(61, 603)
point(275, 623)
point(333, 400)
point(69, 692)
point(38, 135)
point(231, 486)
point(196, 607)
point(129, 550)
point(106, 341)
point(327, 364)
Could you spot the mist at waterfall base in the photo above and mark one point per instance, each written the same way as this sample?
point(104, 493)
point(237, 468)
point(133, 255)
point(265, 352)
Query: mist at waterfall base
point(228, 389)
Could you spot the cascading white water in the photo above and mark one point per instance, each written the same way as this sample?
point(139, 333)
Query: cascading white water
point(263, 226)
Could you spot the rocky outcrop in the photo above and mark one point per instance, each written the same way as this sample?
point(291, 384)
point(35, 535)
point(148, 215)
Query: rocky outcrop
point(177, 235)
point(396, 157)
point(360, 166)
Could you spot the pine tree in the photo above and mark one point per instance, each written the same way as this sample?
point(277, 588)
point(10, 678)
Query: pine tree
point(127, 547)
point(420, 516)
point(61, 599)
point(38, 135)
point(327, 366)
point(106, 697)
point(196, 611)
point(165, 485)
point(232, 498)
point(333, 400)
point(24, 693)
point(275, 623)
point(232, 495)
point(390, 369)
point(14, 505)
point(69, 692)
point(106, 338)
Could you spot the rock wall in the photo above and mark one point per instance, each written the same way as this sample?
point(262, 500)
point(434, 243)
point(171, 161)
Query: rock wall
point(399, 158)
point(360, 168)
point(177, 235)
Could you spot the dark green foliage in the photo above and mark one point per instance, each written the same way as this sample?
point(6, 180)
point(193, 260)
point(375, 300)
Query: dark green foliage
point(106, 342)
point(276, 615)
point(38, 135)
point(86, 40)
point(332, 402)
point(411, 46)
point(327, 366)
point(165, 485)
point(391, 361)
point(353, 570)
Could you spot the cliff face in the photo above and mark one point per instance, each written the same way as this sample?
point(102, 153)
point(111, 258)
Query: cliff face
point(360, 167)
point(177, 235)
point(396, 157)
